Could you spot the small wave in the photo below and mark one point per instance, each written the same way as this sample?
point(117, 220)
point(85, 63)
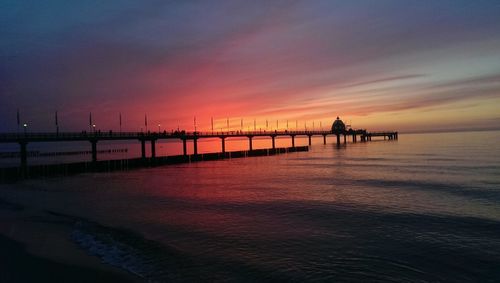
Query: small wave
point(111, 252)
point(129, 251)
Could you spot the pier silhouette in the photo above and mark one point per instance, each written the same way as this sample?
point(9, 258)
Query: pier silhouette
point(153, 137)
point(338, 130)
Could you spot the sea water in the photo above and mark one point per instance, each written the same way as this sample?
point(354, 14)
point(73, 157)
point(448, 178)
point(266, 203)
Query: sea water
point(422, 208)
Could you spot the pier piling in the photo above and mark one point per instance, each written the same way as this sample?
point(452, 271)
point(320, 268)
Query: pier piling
point(195, 145)
point(24, 154)
point(143, 149)
point(153, 149)
point(250, 143)
point(223, 143)
point(94, 150)
point(184, 146)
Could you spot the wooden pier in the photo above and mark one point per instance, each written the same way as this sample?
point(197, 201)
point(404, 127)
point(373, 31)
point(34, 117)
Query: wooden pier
point(152, 137)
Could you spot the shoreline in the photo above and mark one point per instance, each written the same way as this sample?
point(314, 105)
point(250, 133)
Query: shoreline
point(37, 247)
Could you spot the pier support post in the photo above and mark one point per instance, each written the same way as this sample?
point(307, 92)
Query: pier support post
point(338, 139)
point(184, 146)
point(195, 146)
point(250, 143)
point(143, 149)
point(324, 139)
point(293, 141)
point(24, 155)
point(153, 149)
point(354, 139)
point(274, 144)
point(223, 143)
point(94, 150)
point(345, 138)
point(310, 142)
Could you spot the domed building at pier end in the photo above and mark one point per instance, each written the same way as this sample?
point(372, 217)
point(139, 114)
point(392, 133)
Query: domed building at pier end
point(338, 127)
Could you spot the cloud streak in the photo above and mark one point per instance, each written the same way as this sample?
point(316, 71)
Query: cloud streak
point(300, 60)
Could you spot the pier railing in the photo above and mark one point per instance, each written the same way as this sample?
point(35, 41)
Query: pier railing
point(38, 136)
point(46, 136)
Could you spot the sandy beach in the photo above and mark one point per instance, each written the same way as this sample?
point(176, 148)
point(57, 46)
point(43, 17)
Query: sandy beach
point(36, 247)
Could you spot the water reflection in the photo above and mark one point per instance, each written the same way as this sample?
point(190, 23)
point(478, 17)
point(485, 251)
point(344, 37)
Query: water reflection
point(424, 208)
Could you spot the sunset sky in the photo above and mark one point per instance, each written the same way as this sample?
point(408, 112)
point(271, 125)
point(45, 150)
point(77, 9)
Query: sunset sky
point(402, 65)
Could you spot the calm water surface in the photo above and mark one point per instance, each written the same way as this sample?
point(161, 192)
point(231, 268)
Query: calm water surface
point(425, 208)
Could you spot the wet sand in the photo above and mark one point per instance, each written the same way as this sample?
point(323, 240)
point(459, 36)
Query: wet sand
point(36, 247)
